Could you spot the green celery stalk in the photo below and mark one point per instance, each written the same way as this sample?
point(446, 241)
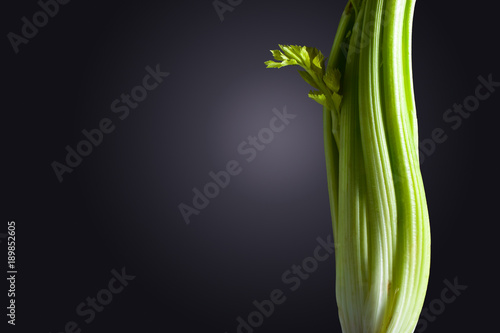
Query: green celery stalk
point(377, 198)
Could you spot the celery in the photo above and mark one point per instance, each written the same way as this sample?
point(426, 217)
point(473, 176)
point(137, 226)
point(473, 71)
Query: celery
point(377, 199)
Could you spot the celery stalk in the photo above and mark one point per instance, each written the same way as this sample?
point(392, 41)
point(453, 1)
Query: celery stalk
point(377, 198)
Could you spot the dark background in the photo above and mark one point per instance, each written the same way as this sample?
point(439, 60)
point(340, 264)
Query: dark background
point(119, 208)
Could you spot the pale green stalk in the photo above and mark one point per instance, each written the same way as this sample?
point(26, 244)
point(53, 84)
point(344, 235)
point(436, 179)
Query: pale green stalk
point(377, 199)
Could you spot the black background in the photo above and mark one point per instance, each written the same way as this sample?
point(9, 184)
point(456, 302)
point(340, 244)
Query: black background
point(119, 208)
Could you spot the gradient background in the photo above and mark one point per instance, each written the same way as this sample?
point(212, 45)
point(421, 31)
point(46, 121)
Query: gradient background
point(119, 207)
